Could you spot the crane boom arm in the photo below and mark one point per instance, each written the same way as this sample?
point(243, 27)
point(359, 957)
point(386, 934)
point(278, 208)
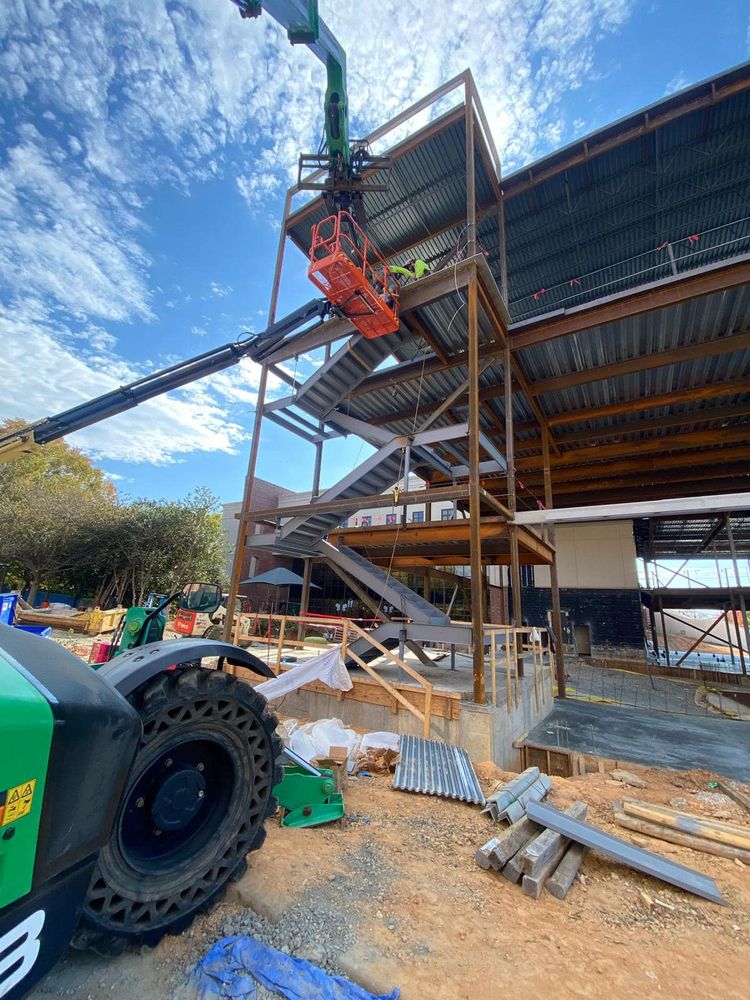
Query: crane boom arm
point(304, 26)
point(127, 396)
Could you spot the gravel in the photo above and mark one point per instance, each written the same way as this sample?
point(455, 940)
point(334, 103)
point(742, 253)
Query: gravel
point(318, 928)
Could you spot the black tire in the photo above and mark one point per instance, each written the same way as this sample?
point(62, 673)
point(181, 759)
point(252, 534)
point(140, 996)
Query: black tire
point(214, 632)
point(208, 760)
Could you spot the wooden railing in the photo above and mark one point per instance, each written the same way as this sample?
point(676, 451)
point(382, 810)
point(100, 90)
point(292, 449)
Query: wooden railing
point(506, 643)
point(273, 632)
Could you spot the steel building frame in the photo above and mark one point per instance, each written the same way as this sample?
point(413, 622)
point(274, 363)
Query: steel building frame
point(670, 338)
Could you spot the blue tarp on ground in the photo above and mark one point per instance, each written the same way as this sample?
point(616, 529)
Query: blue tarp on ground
point(235, 965)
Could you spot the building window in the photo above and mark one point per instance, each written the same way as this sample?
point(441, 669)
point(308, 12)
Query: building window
point(366, 521)
point(527, 576)
point(446, 514)
point(417, 516)
point(391, 518)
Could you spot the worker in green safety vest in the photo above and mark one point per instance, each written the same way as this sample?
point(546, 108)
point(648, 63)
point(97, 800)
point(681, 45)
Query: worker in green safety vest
point(414, 269)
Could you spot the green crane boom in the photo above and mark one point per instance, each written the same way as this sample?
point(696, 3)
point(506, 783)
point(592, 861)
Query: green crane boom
point(305, 27)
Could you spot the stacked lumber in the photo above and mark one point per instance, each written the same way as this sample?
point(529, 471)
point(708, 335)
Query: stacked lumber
point(686, 829)
point(535, 857)
point(91, 622)
point(509, 801)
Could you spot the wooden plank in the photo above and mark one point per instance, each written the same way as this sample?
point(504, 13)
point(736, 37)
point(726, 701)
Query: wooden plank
point(714, 830)
point(74, 623)
point(512, 840)
point(734, 791)
point(660, 832)
point(563, 876)
point(549, 845)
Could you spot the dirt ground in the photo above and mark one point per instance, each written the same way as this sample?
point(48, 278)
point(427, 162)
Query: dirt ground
point(394, 890)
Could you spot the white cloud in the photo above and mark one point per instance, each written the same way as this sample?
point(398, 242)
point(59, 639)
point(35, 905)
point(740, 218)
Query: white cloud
point(161, 431)
point(137, 93)
point(678, 82)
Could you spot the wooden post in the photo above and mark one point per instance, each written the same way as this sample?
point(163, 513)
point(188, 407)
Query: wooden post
point(471, 199)
point(305, 597)
point(477, 601)
point(554, 587)
point(280, 643)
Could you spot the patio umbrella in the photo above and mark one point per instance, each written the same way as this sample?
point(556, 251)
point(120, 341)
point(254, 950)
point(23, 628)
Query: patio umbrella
point(278, 577)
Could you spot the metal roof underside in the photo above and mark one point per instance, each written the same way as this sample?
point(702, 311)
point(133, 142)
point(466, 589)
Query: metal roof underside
point(581, 234)
point(692, 538)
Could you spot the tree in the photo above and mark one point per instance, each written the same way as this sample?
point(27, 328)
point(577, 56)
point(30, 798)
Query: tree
point(62, 524)
point(51, 502)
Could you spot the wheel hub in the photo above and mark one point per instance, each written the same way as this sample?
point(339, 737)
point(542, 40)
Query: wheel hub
point(178, 799)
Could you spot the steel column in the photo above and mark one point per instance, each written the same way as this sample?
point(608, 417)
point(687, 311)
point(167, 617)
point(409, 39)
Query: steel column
point(471, 198)
point(247, 499)
point(554, 586)
point(475, 514)
point(741, 596)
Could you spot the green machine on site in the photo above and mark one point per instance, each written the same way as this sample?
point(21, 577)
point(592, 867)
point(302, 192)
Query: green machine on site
point(130, 795)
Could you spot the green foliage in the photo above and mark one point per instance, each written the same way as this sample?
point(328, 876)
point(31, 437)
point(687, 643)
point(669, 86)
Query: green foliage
point(63, 526)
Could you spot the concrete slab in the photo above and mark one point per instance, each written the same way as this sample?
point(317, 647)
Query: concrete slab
point(679, 742)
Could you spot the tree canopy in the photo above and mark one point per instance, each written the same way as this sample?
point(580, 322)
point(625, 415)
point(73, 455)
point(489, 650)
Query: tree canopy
point(63, 526)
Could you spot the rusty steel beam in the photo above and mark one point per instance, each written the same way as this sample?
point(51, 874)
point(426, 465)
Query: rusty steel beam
point(623, 305)
point(691, 352)
point(647, 122)
point(650, 446)
point(695, 394)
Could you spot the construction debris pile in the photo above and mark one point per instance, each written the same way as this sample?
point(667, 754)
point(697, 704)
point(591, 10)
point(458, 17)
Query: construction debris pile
point(544, 847)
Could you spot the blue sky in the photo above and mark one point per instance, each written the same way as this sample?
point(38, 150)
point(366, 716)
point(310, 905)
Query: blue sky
point(146, 149)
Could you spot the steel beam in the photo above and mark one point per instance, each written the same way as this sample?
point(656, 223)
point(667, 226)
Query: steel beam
point(623, 305)
point(624, 852)
point(627, 511)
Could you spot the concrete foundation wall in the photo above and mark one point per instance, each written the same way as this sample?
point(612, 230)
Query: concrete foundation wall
point(486, 731)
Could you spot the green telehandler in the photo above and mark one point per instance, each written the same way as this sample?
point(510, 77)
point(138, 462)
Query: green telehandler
point(131, 794)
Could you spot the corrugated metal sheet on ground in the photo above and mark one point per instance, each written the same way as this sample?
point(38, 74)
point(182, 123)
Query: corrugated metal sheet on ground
point(435, 768)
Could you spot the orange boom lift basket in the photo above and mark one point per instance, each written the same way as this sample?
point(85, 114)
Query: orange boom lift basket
point(353, 276)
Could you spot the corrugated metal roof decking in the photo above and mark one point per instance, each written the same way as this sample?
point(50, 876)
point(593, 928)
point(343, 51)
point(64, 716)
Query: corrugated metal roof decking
point(434, 768)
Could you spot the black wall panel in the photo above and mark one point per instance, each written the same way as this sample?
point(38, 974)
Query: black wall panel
point(614, 616)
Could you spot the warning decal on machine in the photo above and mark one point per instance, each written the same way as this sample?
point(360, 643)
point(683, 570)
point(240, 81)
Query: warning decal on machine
point(17, 802)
